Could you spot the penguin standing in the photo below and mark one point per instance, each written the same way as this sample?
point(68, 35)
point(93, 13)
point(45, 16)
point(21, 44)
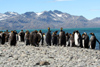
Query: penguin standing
point(92, 41)
point(62, 37)
point(22, 35)
point(31, 38)
point(3, 38)
point(12, 38)
point(44, 39)
point(54, 38)
point(41, 41)
point(27, 34)
point(34, 38)
point(7, 36)
point(37, 38)
point(85, 40)
point(48, 37)
point(16, 35)
point(71, 40)
point(78, 39)
point(67, 39)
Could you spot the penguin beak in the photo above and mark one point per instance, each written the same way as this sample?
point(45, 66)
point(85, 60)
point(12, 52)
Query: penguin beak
point(91, 33)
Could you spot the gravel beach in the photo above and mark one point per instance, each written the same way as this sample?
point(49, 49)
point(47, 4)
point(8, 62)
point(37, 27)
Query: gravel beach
point(47, 56)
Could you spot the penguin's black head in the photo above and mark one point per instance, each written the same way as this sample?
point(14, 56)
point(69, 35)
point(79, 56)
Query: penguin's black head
point(43, 33)
point(36, 31)
point(66, 34)
point(56, 31)
point(74, 32)
point(6, 30)
point(77, 31)
point(91, 33)
point(26, 30)
point(15, 31)
point(70, 34)
point(40, 31)
point(61, 29)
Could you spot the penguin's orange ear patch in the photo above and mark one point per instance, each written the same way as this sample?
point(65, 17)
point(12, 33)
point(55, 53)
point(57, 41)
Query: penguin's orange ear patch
point(26, 32)
point(11, 31)
point(48, 27)
point(82, 34)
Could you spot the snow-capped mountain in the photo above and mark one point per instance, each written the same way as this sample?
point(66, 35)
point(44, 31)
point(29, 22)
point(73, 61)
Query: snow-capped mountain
point(11, 13)
point(45, 19)
point(7, 15)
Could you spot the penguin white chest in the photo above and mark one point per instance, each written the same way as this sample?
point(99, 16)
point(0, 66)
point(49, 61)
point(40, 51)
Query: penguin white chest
point(76, 37)
point(83, 42)
point(19, 37)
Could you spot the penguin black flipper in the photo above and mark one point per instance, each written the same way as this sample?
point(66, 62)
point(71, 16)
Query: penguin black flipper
point(98, 42)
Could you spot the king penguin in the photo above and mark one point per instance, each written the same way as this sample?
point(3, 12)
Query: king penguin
point(54, 38)
point(48, 37)
point(35, 38)
point(67, 39)
point(12, 39)
point(85, 40)
point(27, 34)
point(22, 34)
point(3, 38)
point(31, 38)
point(7, 36)
point(44, 39)
point(78, 39)
point(62, 37)
point(41, 35)
point(92, 41)
point(71, 40)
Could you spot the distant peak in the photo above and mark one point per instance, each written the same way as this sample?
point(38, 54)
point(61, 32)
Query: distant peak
point(56, 11)
point(29, 13)
point(11, 13)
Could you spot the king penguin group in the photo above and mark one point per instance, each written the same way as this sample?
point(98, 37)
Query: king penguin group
point(37, 38)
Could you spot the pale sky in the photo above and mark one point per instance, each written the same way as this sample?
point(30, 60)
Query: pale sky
point(88, 8)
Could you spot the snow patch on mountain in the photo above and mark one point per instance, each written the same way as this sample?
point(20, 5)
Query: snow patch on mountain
point(3, 16)
point(59, 15)
point(39, 13)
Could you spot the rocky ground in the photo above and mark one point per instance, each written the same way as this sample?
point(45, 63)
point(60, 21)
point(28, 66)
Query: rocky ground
point(47, 56)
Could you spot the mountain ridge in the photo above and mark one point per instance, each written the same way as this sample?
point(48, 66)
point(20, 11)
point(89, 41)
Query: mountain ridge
point(45, 19)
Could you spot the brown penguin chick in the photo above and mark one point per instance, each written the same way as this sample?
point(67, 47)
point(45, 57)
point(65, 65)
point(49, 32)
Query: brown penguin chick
point(27, 34)
point(12, 39)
